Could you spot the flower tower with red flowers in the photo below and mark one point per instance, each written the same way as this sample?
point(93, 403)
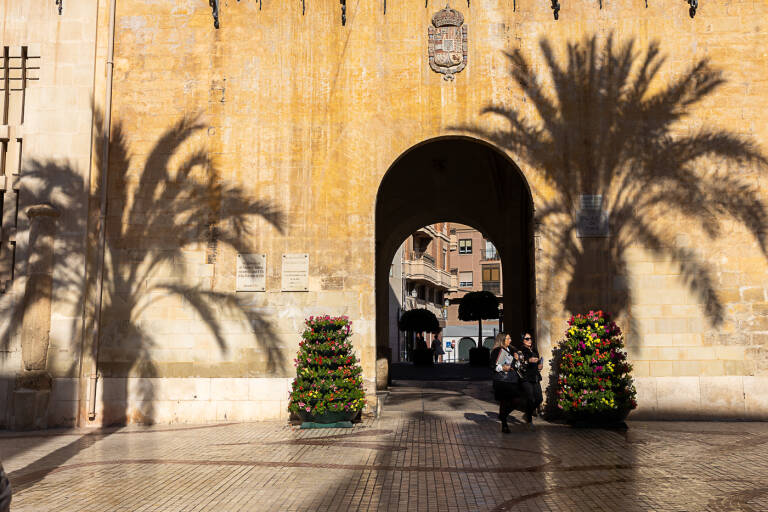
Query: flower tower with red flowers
point(594, 384)
point(328, 387)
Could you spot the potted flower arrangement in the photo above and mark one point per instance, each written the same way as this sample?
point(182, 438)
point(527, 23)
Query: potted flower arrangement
point(328, 387)
point(594, 385)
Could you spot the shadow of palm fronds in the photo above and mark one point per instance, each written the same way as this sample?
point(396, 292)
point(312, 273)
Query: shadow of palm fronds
point(603, 125)
point(160, 217)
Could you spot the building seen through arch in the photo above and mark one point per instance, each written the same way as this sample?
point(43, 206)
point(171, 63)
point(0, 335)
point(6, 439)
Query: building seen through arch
point(433, 269)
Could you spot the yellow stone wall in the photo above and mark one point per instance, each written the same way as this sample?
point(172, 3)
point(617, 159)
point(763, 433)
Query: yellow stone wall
point(54, 141)
point(307, 115)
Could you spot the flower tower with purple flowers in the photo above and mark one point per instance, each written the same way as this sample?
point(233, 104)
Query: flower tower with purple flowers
point(594, 384)
point(328, 387)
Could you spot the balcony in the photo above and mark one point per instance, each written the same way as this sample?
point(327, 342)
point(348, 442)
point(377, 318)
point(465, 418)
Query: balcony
point(489, 255)
point(421, 255)
point(492, 286)
point(436, 309)
point(431, 232)
point(421, 267)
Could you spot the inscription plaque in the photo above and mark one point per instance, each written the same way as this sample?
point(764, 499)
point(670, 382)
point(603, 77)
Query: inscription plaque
point(251, 273)
point(295, 276)
point(592, 220)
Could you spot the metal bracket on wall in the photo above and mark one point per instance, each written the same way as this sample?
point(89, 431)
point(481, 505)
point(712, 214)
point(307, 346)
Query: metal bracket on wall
point(60, 3)
point(694, 4)
point(556, 8)
point(303, 8)
point(215, 12)
point(343, 12)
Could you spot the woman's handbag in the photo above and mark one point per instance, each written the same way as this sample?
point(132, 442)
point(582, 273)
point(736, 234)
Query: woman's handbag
point(505, 384)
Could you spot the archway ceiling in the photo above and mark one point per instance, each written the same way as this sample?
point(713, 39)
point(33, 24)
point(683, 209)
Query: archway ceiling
point(450, 179)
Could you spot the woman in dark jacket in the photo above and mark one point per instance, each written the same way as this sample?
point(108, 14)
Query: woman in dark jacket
point(505, 379)
point(530, 383)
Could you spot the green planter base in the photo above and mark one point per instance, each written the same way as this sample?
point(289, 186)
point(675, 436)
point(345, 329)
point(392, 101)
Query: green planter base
point(479, 356)
point(423, 357)
point(338, 424)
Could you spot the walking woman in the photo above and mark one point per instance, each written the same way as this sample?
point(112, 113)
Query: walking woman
point(505, 378)
point(532, 377)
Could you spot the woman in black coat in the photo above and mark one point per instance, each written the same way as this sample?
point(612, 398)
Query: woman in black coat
point(505, 378)
point(531, 382)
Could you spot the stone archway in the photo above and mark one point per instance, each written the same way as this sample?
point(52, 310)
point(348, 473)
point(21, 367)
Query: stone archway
point(464, 180)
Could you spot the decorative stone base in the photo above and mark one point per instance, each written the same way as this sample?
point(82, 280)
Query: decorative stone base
point(211, 400)
point(178, 400)
point(703, 398)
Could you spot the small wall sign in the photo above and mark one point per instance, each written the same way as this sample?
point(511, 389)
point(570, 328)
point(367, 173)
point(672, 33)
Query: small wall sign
point(295, 275)
point(251, 273)
point(592, 219)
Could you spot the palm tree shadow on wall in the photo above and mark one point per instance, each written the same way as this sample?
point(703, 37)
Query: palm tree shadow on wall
point(161, 216)
point(606, 129)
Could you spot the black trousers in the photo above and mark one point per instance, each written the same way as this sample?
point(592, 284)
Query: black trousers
point(505, 393)
point(505, 407)
point(533, 397)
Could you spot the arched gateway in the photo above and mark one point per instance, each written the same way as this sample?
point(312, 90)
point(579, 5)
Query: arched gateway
point(463, 180)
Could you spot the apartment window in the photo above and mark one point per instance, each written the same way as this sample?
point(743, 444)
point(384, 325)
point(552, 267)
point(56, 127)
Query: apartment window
point(491, 273)
point(465, 279)
point(445, 259)
point(465, 246)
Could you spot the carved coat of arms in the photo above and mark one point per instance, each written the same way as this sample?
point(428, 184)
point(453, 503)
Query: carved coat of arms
point(448, 42)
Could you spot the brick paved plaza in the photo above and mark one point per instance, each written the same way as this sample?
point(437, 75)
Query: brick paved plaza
point(436, 447)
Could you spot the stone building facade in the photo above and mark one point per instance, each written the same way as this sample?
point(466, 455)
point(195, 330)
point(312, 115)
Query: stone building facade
point(475, 265)
point(155, 151)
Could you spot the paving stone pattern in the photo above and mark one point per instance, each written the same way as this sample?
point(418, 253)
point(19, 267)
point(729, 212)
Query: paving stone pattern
point(437, 447)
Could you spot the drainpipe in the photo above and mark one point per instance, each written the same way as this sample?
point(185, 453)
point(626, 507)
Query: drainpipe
point(106, 130)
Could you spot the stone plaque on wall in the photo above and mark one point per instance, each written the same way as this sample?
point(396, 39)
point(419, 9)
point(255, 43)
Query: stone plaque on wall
point(592, 219)
point(295, 275)
point(251, 273)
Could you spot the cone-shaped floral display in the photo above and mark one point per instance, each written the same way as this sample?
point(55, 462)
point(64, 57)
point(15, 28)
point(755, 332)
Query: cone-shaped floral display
point(328, 379)
point(594, 382)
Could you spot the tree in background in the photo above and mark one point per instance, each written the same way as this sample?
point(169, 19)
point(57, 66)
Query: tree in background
point(479, 306)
